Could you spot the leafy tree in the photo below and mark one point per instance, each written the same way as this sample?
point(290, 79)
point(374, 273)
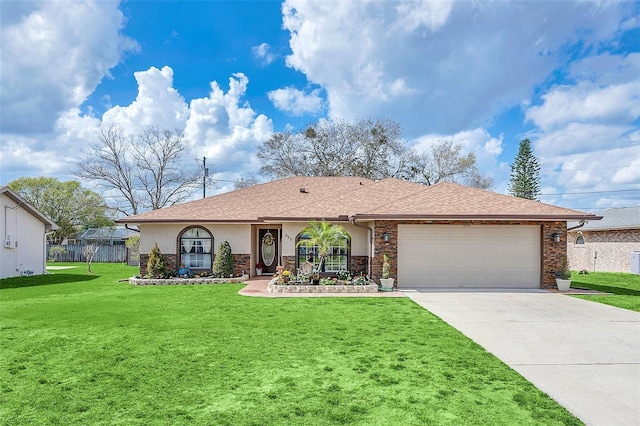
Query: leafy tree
point(140, 171)
point(156, 265)
point(446, 162)
point(55, 252)
point(323, 235)
point(223, 263)
point(133, 244)
point(525, 173)
point(66, 203)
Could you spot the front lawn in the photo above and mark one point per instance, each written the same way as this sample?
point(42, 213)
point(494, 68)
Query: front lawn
point(624, 288)
point(78, 348)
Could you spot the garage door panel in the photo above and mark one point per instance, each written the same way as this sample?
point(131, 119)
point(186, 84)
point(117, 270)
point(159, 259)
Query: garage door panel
point(506, 256)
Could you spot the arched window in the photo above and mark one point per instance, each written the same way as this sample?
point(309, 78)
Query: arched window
point(337, 260)
point(580, 239)
point(195, 248)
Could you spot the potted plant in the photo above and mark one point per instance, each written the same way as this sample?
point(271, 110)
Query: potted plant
point(386, 281)
point(563, 277)
point(259, 267)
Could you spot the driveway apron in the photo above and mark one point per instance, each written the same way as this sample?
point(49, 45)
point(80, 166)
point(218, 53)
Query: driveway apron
point(583, 354)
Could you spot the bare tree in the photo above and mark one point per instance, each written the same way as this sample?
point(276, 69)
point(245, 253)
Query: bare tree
point(367, 148)
point(245, 182)
point(89, 251)
point(447, 162)
point(142, 171)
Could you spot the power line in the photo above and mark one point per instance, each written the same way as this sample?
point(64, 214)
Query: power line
point(593, 192)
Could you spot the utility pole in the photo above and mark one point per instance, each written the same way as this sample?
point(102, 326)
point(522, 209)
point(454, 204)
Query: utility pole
point(204, 177)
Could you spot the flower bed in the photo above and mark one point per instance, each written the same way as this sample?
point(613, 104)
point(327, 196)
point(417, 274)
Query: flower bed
point(183, 281)
point(273, 287)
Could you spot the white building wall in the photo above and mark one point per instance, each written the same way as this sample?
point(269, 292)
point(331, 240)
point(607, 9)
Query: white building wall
point(25, 234)
point(166, 235)
point(359, 238)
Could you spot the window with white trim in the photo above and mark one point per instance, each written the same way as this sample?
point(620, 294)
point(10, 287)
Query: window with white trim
point(196, 248)
point(337, 260)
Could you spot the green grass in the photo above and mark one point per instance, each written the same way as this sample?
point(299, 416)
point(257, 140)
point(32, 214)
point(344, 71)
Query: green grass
point(624, 288)
point(84, 349)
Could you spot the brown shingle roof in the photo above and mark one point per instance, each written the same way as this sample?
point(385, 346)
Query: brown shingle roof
point(339, 198)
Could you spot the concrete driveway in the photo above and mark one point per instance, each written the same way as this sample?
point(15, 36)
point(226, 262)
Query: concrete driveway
point(585, 355)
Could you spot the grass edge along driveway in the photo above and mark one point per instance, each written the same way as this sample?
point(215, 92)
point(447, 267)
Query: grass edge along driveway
point(623, 288)
point(78, 348)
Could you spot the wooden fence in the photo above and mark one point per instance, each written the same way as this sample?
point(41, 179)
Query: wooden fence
point(106, 254)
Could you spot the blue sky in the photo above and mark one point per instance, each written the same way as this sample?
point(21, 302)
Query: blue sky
point(229, 74)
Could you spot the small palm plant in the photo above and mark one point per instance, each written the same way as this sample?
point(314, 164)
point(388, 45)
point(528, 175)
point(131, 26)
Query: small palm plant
point(323, 235)
point(386, 266)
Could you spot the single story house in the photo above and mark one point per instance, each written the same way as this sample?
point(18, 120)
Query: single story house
point(605, 245)
point(444, 235)
point(24, 236)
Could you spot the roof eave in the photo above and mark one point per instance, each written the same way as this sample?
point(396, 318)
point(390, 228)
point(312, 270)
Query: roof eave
point(175, 220)
point(546, 218)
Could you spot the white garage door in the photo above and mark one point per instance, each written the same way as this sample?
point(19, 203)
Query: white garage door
point(492, 256)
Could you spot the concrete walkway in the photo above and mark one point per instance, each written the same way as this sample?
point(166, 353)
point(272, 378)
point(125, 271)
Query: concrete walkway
point(583, 354)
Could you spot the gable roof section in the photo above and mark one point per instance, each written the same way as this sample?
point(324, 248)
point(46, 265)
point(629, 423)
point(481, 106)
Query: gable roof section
point(18, 199)
point(343, 198)
point(614, 219)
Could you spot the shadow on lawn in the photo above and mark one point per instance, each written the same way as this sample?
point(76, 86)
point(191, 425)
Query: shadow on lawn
point(38, 280)
point(607, 289)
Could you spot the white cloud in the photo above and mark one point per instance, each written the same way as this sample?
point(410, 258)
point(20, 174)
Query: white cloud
point(588, 103)
point(262, 52)
point(414, 14)
point(54, 54)
point(587, 137)
point(295, 101)
point(478, 141)
point(437, 66)
point(226, 129)
point(223, 127)
point(157, 103)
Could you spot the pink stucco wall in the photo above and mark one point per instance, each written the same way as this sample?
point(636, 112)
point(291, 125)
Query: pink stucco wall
point(611, 248)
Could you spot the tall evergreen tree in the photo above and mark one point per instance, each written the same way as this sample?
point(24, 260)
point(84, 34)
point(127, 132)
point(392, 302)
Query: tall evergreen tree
point(525, 173)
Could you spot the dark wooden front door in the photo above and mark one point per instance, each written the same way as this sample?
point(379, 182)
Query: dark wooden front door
point(268, 249)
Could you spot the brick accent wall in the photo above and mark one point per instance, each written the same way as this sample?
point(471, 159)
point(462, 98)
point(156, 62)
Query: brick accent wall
point(242, 263)
point(359, 264)
point(170, 261)
point(612, 248)
point(552, 253)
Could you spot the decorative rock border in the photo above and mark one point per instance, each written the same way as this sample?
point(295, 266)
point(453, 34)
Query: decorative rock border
point(183, 281)
point(272, 287)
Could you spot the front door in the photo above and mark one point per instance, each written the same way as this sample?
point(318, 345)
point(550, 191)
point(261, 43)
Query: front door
point(268, 252)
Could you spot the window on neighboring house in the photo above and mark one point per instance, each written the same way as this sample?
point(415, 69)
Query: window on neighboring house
point(580, 239)
point(195, 248)
point(337, 260)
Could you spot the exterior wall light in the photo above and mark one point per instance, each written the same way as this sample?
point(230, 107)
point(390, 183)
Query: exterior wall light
point(556, 236)
point(385, 237)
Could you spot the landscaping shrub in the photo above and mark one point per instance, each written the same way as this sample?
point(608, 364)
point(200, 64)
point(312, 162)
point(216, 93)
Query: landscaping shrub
point(223, 263)
point(156, 266)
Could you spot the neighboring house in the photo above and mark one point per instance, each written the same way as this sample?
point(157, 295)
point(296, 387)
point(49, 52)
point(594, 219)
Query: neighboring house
point(24, 230)
point(116, 236)
point(605, 245)
point(445, 235)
